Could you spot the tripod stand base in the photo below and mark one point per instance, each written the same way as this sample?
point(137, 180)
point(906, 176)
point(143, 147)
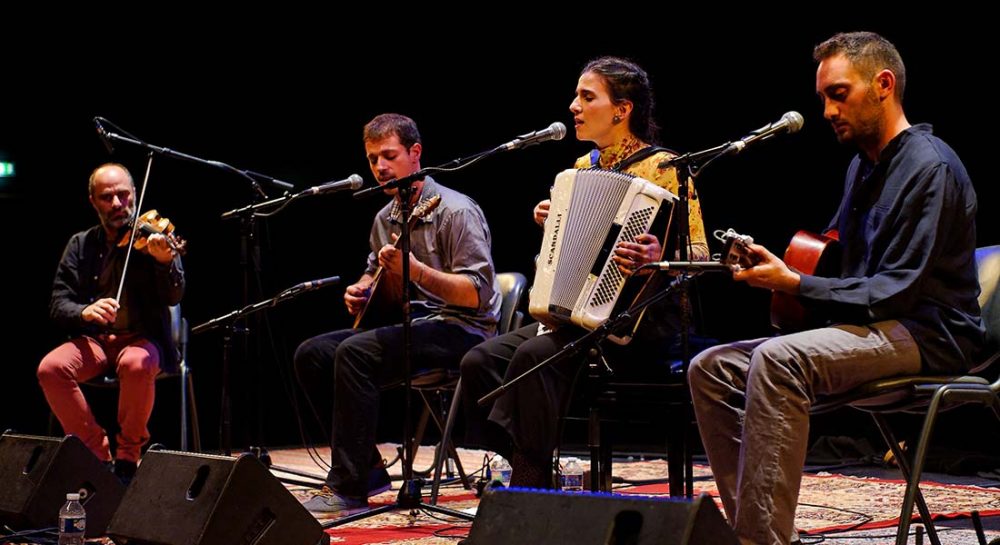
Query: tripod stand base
point(409, 498)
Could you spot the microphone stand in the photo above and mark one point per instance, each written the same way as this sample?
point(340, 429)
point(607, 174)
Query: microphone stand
point(249, 247)
point(590, 343)
point(229, 325)
point(409, 496)
point(586, 341)
point(688, 166)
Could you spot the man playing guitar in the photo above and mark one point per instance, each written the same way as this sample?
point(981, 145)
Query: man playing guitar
point(903, 301)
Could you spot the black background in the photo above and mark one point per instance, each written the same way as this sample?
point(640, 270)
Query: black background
point(288, 95)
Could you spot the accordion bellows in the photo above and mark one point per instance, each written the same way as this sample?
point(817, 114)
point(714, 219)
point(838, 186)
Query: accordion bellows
point(592, 210)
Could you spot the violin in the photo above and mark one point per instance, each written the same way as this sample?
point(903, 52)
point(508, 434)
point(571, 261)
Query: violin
point(152, 223)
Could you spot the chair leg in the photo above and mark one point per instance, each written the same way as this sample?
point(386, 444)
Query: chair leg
point(912, 476)
point(690, 438)
point(418, 435)
point(594, 446)
point(184, 408)
point(466, 481)
point(676, 458)
point(192, 410)
point(606, 463)
point(440, 420)
point(445, 446)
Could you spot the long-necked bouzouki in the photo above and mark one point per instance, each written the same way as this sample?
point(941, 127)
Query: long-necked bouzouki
point(384, 305)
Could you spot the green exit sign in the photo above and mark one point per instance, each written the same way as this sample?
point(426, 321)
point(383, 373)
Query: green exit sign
point(6, 169)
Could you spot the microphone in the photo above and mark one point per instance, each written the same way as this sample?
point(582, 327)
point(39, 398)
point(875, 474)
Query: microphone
point(103, 135)
point(691, 266)
point(791, 122)
point(555, 131)
point(351, 182)
point(313, 285)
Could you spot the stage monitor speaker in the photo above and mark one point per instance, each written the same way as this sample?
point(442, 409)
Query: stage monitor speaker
point(558, 518)
point(36, 473)
point(177, 498)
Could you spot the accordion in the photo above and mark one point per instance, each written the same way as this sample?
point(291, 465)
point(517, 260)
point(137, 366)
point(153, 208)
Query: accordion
point(576, 280)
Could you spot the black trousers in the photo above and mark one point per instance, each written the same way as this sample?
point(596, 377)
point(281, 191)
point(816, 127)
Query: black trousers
point(359, 364)
point(526, 417)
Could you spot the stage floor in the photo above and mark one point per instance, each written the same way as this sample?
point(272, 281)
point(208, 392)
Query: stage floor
point(859, 508)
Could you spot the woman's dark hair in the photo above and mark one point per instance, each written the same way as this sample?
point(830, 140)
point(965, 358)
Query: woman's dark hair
point(626, 80)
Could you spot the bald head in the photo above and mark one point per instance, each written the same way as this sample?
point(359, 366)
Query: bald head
point(109, 171)
point(112, 194)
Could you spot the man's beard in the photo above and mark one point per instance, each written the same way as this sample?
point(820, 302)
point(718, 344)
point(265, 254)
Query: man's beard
point(120, 222)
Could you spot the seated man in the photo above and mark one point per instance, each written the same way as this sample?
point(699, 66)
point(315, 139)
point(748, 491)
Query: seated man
point(455, 304)
point(130, 336)
point(905, 300)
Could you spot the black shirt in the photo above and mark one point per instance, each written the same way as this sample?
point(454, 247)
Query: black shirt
point(908, 235)
point(150, 288)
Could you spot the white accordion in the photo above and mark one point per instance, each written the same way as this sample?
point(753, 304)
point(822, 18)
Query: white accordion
point(576, 280)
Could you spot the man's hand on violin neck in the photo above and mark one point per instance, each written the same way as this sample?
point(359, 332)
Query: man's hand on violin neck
point(159, 248)
point(103, 311)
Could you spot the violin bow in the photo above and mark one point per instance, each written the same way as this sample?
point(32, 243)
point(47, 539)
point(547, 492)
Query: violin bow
point(135, 227)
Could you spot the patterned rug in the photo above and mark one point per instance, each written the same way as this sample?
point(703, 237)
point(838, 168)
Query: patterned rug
point(831, 507)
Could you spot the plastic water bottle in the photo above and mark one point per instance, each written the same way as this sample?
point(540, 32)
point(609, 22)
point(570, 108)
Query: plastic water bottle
point(72, 521)
point(500, 470)
point(572, 475)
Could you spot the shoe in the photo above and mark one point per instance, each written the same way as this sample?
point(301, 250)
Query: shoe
point(378, 481)
point(329, 502)
point(125, 471)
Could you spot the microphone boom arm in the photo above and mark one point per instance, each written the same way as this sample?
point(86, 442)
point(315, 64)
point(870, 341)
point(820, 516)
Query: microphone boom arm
point(111, 136)
point(280, 203)
point(555, 131)
point(285, 295)
point(790, 122)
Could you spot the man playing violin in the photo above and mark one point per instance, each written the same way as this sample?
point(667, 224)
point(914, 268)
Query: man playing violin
point(904, 301)
point(129, 337)
point(455, 304)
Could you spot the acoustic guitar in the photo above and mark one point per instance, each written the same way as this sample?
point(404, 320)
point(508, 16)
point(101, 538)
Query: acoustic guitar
point(384, 305)
point(812, 254)
point(807, 253)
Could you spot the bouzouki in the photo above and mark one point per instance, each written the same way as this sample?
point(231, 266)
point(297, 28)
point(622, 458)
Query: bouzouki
point(807, 253)
point(384, 305)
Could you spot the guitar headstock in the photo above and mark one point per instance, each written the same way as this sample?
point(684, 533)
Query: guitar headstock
point(735, 249)
point(426, 207)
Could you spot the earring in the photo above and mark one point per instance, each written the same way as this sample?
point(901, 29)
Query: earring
point(616, 119)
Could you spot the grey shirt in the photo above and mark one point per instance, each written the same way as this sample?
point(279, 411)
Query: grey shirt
point(454, 238)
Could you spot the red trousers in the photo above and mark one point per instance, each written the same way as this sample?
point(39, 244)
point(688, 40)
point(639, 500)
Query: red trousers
point(136, 362)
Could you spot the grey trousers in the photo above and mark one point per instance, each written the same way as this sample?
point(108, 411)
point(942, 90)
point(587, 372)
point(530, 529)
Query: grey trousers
point(752, 400)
